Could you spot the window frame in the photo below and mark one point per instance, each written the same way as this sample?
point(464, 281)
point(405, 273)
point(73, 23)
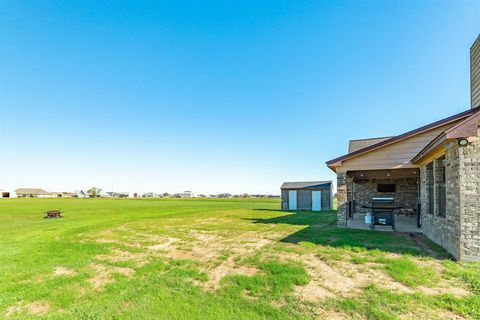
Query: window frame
point(441, 187)
point(430, 187)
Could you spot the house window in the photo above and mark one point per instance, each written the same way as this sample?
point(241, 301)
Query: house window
point(386, 187)
point(430, 190)
point(441, 186)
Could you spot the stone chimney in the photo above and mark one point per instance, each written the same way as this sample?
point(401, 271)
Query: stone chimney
point(475, 73)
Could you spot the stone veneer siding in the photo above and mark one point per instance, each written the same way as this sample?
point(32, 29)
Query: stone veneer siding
point(470, 200)
point(459, 231)
point(342, 199)
point(445, 231)
point(405, 195)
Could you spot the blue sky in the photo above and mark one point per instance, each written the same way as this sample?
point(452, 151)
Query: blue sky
point(218, 96)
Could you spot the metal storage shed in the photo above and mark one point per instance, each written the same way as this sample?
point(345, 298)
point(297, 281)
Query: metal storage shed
point(307, 195)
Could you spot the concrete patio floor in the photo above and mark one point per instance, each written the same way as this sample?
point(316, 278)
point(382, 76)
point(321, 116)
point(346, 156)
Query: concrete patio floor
point(402, 223)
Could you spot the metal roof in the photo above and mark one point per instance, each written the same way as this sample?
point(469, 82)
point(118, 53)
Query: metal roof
point(306, 184)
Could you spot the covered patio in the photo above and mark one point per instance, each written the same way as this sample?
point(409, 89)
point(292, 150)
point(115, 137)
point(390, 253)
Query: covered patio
point(402, 224)
point(402, 185)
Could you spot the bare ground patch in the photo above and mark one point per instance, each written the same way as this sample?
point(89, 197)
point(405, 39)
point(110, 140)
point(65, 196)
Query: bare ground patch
point(216, 254)
point(167, 245)
point(346, 279)
point(32, 308)
point(103, 274)
point(62, 271)
point(228, 267)
point(431, 314)
point(217, 250)
point(117, 255)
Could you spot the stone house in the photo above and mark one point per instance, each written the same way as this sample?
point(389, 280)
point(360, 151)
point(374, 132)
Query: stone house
point(432, 172)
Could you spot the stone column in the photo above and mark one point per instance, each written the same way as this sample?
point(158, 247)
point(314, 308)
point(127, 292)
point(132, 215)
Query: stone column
point(342, 199)
point(469, 159)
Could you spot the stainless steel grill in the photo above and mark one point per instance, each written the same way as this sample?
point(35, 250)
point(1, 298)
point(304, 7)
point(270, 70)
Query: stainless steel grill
point(382, 212)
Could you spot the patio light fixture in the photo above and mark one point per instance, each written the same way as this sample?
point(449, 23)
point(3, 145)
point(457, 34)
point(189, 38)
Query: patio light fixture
point(463, 142)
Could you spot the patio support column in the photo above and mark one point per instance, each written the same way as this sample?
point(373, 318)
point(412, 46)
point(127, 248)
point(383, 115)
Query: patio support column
point(342, 199)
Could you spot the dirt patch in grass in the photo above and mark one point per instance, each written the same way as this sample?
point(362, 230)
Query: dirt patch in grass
point(167, 245)
point(313, 292)
point(117, 255)
point(62, 271)
point(446, 289)
point(329, 279)
point(228, 267)
point(102, 240)
point(427, 313)
point(103, 274)
point(220, 253)
point(340, 279)
point(321, 313)
point(32, 308)
point(216, 254)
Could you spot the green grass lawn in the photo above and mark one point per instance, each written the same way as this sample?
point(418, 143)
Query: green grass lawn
point(217, 259)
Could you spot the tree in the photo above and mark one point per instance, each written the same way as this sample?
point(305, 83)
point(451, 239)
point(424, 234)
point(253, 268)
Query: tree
point(94, 192)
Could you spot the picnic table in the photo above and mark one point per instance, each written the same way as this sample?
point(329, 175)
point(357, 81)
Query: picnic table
point(54, 214)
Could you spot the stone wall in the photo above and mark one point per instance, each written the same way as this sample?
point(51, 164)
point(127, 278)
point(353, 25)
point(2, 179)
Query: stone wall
point(459, 231)
point(445, 231)
point(405, 195)
point(342, 199)
point(469, 167)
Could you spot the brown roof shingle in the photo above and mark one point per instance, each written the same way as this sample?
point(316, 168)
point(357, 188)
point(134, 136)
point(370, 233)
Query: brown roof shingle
point(333, 163)
point(358, 144)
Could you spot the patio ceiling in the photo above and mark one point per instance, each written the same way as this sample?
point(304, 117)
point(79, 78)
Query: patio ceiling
point(384, 174)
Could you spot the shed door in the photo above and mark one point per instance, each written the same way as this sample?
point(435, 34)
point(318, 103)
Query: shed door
point(292, 200)
point(316, 200)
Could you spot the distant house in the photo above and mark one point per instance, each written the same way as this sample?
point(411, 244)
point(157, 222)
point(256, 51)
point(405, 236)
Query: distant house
point(61, 194)
point(103, 194)
point(185, 194)
point(32, 193)
point(224, 195)
point(118, 194)
point(80, 194)
point(307, 195)
point(151, 195)
point(5, 193)
point(148, 195)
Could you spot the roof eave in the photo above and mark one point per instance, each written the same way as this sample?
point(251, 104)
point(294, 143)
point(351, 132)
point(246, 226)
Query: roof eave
point(465, 128)
point(433, 145)
point(333, 166)
point(404, 136)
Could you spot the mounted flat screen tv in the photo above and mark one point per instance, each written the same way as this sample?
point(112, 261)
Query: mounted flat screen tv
point(386, 187)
